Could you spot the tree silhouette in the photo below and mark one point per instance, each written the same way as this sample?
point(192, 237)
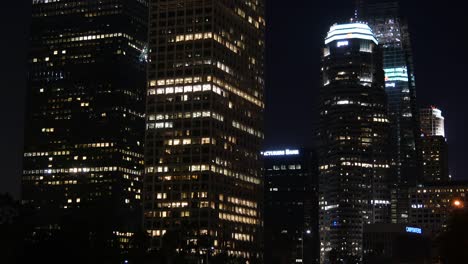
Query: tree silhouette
point(454, 242)
point(11, 231)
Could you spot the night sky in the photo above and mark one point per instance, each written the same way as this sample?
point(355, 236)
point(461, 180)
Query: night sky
point(296, 29)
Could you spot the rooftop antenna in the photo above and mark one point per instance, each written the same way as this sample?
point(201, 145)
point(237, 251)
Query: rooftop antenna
point(357, 9)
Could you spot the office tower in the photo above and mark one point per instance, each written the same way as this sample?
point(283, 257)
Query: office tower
point(433, 203)
point(291, 206)
point(83, 153)
point(391, 30)
point(205, 108)
point(353, 138)
point(434, 146)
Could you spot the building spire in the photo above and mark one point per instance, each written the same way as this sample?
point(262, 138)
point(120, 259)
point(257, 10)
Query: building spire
point(357, 9)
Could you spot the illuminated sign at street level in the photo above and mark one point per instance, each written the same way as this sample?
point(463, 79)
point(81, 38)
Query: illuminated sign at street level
point(286, 152)
point(414, 230)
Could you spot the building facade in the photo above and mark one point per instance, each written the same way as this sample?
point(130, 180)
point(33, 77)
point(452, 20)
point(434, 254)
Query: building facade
point(291, 206)
point(83, 153)
point(353, 134)
point(432, 204)
point(435, 159)
point(204, 132)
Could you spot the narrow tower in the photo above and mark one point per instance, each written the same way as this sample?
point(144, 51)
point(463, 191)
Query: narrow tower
point(434, 147)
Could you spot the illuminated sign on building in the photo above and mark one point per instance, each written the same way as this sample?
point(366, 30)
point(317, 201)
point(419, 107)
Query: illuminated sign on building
point(396, 74)
point(342, 43)
point(286, 152)
point(414, 230)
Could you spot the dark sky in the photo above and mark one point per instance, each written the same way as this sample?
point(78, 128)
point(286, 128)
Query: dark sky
point(295, 36)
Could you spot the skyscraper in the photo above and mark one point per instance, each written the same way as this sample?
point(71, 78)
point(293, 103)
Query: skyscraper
point(391, 30)
point(83, 153)
point(434, 147)
point(204, 133)
point(291, 206)
point(353, 134)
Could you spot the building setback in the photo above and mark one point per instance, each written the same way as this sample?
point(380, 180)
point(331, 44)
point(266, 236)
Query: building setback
point(83, 153)
point(204, 132)
point(353, 134)
point(291, 206)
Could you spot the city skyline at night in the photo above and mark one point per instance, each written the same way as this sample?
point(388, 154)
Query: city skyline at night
point(316, 17)
point(233, 131)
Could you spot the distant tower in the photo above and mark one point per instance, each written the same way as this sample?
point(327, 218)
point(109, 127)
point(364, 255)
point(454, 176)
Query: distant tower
point(353, 133)
point(434, 145)
point(432, 122)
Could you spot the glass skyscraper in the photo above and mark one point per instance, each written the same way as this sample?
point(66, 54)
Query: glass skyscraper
point(391, 30)
point(83, 153)
point(392, 33)
point(204, 127)
point(353, 135)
